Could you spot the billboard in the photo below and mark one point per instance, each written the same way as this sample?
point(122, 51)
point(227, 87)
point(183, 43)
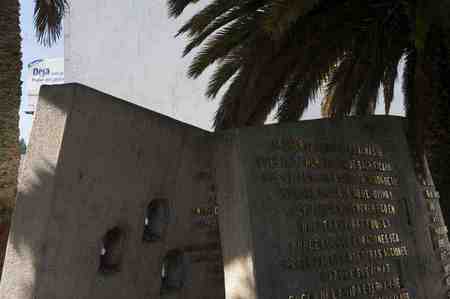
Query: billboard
point(42, 71)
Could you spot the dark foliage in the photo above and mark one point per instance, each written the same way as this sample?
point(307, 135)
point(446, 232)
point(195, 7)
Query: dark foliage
point(277, 54)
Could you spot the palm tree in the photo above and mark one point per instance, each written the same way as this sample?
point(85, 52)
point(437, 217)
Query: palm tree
point(48, 18)
point(277, 54)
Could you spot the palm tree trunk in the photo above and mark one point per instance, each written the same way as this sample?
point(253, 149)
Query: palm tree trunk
point(10, 91)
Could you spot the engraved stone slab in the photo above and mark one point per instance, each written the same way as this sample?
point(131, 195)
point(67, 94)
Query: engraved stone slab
point(328, 209)
point(107, 205)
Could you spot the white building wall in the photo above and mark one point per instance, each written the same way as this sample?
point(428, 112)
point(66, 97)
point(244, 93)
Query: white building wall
point(127, 49)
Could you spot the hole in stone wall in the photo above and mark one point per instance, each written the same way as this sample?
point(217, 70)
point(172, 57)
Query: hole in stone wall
point(111, 251)
point(172, 271)
point(156, 220)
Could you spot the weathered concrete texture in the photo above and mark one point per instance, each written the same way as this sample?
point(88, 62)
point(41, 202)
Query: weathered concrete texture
point(328, 209)
point(116, 201)
point(95, 163)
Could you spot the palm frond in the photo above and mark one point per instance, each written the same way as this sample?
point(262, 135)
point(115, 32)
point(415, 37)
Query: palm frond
point(290, 81)
point(226, 115)
point(256, 85)
point(199, 33)
point(266, 79)
point(205, 17)
point(295, 100)
point(408, 79)
point(344, 84)
point(419, 92)
point(266, 104)
point(221, 44)
point(281, 14)
point(266, 96)
point(295, 51)
point(223, 73)
point(48, 16)
point(390, 75)
point(346, 41)
point(378, 47)
point(368, 94)
point(382, 72)
point(325, 106)
point(305, 84)
point(176, 7)
point(316, 58)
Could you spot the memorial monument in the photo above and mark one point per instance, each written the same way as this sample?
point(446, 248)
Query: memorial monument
point(329, 209)
point(116, 201)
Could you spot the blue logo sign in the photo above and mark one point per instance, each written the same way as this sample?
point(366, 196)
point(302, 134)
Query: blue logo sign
point(41, 72)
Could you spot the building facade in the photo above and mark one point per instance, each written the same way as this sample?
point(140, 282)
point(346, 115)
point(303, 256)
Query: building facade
point(128, 49)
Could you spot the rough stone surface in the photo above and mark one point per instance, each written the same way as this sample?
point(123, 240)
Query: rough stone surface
point(328, 209)
point(95, 163)
point(116, 201)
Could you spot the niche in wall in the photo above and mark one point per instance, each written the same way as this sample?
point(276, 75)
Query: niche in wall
point(173, 271)
point(112, 251)
point(156, 220)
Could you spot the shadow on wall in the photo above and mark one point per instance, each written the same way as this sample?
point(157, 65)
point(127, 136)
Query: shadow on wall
point(35, 269)
point(27, 229)
point(4, 233)
point(27, 265)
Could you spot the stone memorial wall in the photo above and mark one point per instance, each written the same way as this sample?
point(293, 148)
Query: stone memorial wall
point(115, 201)
point(329, 209)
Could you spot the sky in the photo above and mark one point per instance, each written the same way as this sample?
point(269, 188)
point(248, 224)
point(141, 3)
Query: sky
point(32, 50)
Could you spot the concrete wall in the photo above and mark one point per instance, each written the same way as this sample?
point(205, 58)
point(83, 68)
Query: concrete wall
point(127, 49)
point(94, 163)
point(296, 200)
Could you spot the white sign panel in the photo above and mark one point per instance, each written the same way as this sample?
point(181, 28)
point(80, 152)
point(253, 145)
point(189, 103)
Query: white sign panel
point(42, 71)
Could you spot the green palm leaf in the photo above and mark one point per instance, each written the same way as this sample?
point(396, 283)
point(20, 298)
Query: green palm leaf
point(221, 44)
point(389, 78)
point(199, 33)
point(207, 16)
point(281, 14)
point(48, 15)
point(176, 7)
point(223, 73)
point(278, 53)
